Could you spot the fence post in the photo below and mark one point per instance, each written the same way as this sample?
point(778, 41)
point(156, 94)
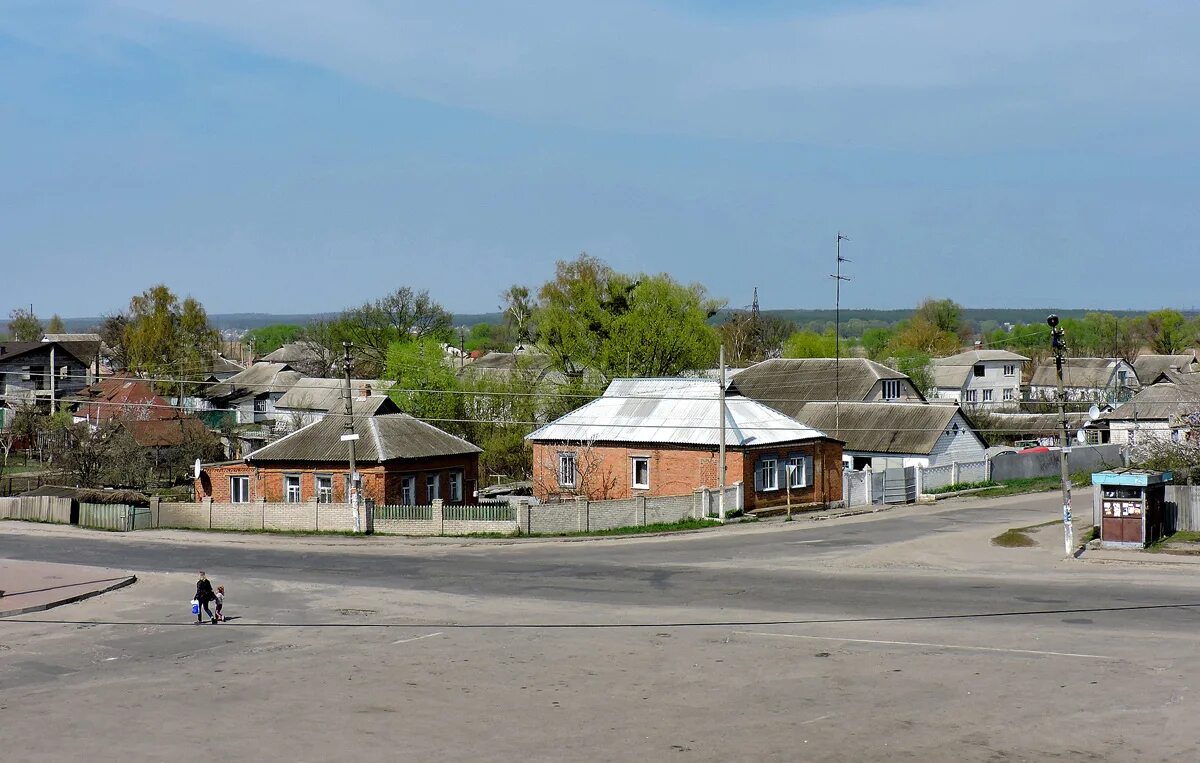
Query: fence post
point(208, 501)
point(954, 473)
point(920, 478)
point(438, 515)
point(155, 508)
point(639, 506)
point(581, 513)
point(521, 514)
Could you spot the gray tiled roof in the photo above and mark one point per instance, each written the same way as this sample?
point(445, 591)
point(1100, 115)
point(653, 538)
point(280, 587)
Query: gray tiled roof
point(313, 394)
point(1078, 373)
point(788, 384)
point(1160, 401)
point(389, 437)
point(1150, 367)
point(258, 379)
point(879, 427)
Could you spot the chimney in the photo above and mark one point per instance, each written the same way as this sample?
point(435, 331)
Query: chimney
point(979, 344)
point(364, 390)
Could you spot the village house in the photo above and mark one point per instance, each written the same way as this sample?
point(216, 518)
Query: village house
point(989, 379)
point(787, 384)
point(402, 461)
point(249, 397)
point(1097, 380)
point(41, 374)
point(1150, 368)
point(311, 399)
point(1164, 411)
point(660, 437)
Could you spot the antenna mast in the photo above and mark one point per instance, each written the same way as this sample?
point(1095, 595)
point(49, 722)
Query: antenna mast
point(837, 335)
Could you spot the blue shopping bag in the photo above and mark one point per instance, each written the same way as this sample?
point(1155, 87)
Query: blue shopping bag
point(195, 606)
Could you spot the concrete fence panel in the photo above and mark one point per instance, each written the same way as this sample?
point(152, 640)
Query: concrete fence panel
point(1082, 458)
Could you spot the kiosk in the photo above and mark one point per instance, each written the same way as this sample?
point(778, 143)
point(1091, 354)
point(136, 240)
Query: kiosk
point(1129, 507)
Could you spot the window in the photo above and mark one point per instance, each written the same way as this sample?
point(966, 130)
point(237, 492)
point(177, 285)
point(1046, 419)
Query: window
point(260, 405)
point(432, 487)
point(1010, 370)
point(1008, 394)
point(768, 474)
point(972, 396)
point(239, 490)
point(408, 491)
point(566, 470)
point(291, 488)
point(456, 487)
point(1121, 378)
point(641, 472)
point(987, 396)
point(324, 489)
point(1175, 437)
point(797, 471)
point(891, 389)
point(978, 370)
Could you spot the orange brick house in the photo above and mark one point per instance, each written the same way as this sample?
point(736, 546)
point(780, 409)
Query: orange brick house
point(401, 461)
point(660, 437)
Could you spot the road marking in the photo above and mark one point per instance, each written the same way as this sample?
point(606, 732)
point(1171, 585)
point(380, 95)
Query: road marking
point(417, 638)
point(922, 643)
point(814, 720)
point(796, 542)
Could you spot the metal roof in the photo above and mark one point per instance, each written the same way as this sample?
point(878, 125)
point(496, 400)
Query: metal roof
point(1078, 373)
point(313, 394)
point(787, 384)
point(389, 437)
point(673, 411)
point(885, 427)
point(71, 338)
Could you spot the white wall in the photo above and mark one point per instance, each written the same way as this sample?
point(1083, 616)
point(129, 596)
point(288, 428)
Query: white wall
point(962, 445)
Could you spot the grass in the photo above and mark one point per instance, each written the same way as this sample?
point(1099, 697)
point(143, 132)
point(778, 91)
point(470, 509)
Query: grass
point(1018, 537)
point(1163, 545)
point(962, 486)
point(1034, 485)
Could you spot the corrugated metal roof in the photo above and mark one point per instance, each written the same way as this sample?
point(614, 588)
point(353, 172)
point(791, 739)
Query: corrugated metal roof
point(787, 384)
point(258, 379)
point(388, 437)
point(1078, 373)
point(1149, 367)
point(879, 427)
point(673, 411)
point(71, 338)
point(313, 394)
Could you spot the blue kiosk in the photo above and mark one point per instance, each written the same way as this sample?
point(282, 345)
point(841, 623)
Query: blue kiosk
point(1130, 507)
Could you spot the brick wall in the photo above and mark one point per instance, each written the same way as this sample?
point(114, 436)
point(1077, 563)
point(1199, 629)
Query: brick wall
point(605, 472)
point(826, 479)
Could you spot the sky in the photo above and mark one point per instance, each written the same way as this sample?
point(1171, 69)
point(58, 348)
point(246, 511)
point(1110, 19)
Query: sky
point(305, 156)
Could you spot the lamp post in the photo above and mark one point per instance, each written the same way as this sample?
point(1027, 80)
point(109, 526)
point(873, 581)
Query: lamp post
point(1058, 343)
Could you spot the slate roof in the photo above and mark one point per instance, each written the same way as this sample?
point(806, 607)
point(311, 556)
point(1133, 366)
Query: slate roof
point(291, 352)
point(223, 366)
point(788, 384)
point(954, 370)
point(258, 379)
point(388, 437)
point(313, 394)
point(675, 412)
point(1078, 373)
point(879, 427)
point(1150, 367)
point(84, 352)
point(1160, 401)
point(71, 338)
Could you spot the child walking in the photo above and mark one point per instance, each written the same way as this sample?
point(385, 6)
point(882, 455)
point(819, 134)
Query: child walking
point(220, 603)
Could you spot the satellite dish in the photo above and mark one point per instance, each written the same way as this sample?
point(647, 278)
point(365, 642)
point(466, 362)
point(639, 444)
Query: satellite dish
point(196, 471)
point(1081, 436)
point(1093, 412)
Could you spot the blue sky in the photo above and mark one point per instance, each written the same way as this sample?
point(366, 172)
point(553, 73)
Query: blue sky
point(305, 156)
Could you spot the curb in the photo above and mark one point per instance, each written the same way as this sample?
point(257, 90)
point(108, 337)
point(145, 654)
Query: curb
point(69, 600)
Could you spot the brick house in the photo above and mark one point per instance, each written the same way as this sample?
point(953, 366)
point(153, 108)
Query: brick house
point(660, 437)
point(401, 461)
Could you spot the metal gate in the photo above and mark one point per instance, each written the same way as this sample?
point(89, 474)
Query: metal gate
point(900, 485)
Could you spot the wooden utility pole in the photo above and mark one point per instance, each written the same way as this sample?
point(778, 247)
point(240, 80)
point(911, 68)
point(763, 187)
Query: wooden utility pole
point(1057, 341)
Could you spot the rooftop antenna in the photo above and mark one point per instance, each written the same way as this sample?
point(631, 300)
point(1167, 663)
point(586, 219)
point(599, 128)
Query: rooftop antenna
point(837, 334)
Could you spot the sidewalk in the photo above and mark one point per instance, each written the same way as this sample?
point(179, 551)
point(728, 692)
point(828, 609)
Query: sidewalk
point(36, 586)
point(1133, 556)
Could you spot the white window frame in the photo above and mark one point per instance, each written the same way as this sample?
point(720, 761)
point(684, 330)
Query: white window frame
point(971, 396)
point(772, 473)
point(433, 486)
point(567, 476)
point(988, 397)
point(240, 494)
point(634, 461)
point(408, 490)
point(893, 386)
point(324, 484)
point(1010, 369)
point(287, 488)
point(455, 489)
point(1008, 394)
point(798, 476)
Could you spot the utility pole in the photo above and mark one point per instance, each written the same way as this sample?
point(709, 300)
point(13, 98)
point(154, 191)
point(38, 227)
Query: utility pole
point(1058, 342)
point(350, 436)
point(721, 445)
point(837, 335)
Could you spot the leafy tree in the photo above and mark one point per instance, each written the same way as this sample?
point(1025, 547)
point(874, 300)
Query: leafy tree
point(748, 339)
point(24, 325)
point(402, 315)
point(1169, 331)
point(876, 342)
point(915, 365)
point(166, 338)
point(809, 344)
point(267, 339)
point(489, 337)
point(922, 336)
point(112, 340)
point(425, 386)
point(945, 314)
point(518, 312)
point(55, 326)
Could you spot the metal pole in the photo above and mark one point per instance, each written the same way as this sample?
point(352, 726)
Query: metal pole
point(350, 437)
point(721, 445)
point(837, 335)
point(1058, 343)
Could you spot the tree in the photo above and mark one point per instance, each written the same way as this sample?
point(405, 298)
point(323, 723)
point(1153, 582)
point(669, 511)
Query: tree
point(112, 340)
point(83, 453)
point(322, 343)
point(748, 339)
point(425, 386)
point(945, 314)
point(518, 312)
point(809, 344)
point(267, 339)
point(24, 326)
point(1169, 332)
point(915, 365)
point(876, 342)
point(55, 326)
point(165, 338)
point(402, 315)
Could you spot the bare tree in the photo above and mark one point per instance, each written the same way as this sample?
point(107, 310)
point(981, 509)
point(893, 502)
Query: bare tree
point(594, 477)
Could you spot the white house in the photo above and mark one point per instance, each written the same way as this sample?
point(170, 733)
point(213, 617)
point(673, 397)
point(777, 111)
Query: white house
point(1162, 411)
point(1107, 380)
point(986, 378)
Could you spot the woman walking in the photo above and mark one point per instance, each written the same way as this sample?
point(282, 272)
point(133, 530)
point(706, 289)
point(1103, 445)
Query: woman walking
point(204, 594)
